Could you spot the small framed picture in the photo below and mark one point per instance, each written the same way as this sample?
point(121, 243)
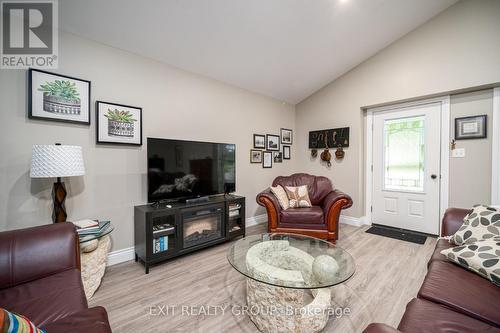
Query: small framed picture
point(267, 159)
point(272, 142)
point(255, 156)
point(286, 152)
point(58, 97)
point(286, 136)
point(118, 124)
point(470, 127)
point(277, 156)
point(259, 141)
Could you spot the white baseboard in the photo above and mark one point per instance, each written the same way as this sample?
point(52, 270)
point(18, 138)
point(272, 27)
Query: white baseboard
point(119, 256)
point(354, 221)
point(254, 220)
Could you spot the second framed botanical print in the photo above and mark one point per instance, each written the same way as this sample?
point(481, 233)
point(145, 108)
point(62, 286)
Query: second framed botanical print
point(118, 124)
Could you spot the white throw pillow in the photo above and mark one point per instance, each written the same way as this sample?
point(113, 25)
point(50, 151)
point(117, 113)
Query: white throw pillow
point(482, 223)
point(280, 194)
point(299, 196)
point(481, 257)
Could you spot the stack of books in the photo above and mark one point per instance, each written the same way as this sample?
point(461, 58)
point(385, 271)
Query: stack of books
point(90, 227)
point(160, 244)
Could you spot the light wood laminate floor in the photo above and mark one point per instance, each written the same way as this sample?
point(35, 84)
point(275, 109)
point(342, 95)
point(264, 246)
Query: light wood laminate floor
point(388, 275)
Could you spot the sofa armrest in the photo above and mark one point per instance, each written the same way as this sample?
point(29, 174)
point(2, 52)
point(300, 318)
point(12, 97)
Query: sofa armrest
point(333, 203)
point(34, 253)
point(452, 220)
point(336, 197)
point(380, 328)
point(267, 199)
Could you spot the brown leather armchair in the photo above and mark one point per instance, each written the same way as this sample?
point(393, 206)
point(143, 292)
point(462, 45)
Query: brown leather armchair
point(321, 220)
point(40, 278)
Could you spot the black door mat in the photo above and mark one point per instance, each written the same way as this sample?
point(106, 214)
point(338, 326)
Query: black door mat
point(401, 234)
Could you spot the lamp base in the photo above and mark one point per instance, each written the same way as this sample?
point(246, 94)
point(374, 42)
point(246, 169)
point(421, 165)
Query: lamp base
point(59, 195)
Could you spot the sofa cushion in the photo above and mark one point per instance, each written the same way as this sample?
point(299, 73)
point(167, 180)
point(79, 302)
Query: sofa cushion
point(310, 215)
point(298, 196)
point(442, 244)
point(482, 223)
point(422, 316)
point(48, 299)
point(93, 320)
point(462, 291)
point(481, 257)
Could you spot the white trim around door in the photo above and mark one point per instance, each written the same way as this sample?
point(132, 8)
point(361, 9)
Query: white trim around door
point(495, 149)
point(444, 151)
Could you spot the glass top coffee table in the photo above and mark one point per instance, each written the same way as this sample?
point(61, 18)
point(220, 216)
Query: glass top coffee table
point(280, 269)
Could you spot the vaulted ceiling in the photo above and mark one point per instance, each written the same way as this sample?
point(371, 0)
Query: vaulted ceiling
point(286, 49)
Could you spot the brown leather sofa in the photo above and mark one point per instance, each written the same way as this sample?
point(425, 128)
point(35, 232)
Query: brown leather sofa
point(451, 299)
point(321, 220)
point(40, 279)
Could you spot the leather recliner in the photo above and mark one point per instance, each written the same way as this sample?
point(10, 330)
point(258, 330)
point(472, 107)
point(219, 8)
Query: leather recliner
point(321, 220)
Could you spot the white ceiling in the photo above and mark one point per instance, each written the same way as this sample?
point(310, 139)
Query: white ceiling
point(286, 49)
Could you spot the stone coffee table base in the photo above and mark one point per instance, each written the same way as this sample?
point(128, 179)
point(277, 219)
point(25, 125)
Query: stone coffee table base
point(94, 256)
point(278, 309)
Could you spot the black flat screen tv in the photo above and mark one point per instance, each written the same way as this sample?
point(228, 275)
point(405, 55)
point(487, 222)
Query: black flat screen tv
point(179, 170)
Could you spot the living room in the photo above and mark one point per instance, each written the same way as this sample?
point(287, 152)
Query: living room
point(282, 94)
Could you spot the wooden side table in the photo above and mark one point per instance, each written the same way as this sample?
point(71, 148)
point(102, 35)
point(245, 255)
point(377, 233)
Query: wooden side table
point(94, 251)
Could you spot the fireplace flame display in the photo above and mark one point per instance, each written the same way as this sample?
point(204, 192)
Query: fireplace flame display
point(199, 230)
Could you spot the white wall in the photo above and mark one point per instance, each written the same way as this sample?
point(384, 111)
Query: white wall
point(176, 104)
point(457, 49)
point(470, 176)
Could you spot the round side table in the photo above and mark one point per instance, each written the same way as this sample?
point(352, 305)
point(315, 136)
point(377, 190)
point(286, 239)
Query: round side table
point(94, 251)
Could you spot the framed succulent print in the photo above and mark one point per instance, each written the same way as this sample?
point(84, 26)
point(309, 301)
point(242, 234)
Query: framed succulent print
point(57, 97)
point(118, 124)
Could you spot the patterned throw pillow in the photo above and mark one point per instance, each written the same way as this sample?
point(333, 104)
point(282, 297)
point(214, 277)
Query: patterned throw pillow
point(482, 257)
point(280, 194)
point(13, 323)
point(482, 223)
point(298, 195)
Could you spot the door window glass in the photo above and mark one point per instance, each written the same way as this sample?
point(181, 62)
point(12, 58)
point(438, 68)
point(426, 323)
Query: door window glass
point(404, 154)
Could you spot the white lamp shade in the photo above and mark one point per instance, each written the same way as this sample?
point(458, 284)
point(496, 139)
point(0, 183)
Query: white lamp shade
point(49, 161)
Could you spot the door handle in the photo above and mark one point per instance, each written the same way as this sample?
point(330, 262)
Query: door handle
point(433, 176)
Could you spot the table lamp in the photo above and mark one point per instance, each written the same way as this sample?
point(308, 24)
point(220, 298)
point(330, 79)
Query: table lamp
point(56, 161)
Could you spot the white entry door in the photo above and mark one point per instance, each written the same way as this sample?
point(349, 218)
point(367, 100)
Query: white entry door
point(406, 166)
